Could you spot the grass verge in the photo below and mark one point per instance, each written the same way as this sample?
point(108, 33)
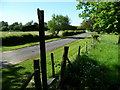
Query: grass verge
point(9, 48)
point(97, 70)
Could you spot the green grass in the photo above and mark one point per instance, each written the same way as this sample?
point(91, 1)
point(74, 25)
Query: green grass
point(7, 34)
point(9, 48)
point(107, 50)
point(97, 70)
point(14, 76)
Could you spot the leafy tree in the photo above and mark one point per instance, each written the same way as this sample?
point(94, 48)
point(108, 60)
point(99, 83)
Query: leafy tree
point(104, 16)
point(4, 28)
point(11, 27)
point(30, 28)
point(15, 26)
point(15, 23)
point(3, 23)
point(70, 27)
point(58, 23)
point(29, 23)
point(35, 23)
point(85, 25)
point(45, 26)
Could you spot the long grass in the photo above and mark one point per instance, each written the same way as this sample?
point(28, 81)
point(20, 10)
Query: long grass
point(14, 76)
point(98, 69)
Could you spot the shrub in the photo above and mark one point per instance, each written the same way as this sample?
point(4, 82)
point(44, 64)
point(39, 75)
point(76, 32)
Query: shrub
point(95, 36)
point(19, 39)
point(72, 32)
point(116, 33)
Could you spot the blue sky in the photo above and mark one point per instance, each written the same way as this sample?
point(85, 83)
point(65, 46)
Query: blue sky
point(11, 11)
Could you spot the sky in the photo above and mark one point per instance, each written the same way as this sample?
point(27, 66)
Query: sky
point(23, 11)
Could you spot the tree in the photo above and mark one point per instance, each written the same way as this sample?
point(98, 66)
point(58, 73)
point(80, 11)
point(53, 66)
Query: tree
point(15, 26)
point(45, 26)
point(11, 27)
point(70, 27)
point(58, 23)
point(103, 15)
point(3, 23)
point(29, 23)
point(4, 26)
point(35, 23)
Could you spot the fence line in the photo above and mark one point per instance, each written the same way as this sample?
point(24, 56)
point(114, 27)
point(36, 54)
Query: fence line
point(65, 59)
point(46, 83)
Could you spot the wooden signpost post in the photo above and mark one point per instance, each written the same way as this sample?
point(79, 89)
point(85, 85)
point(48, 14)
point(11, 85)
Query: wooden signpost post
point(42, 48)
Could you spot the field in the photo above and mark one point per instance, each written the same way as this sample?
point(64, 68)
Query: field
point(6, 34)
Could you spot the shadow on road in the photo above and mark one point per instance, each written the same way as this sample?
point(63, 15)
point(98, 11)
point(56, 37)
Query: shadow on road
point(79, 37)
point(76, 37)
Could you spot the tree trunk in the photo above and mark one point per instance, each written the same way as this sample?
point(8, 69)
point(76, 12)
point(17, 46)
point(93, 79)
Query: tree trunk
point(57, 32)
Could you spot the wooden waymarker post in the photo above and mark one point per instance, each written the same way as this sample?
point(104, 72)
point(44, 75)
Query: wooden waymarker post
point(63, 67)
point(86, 47)
point(37, 75)
point(53, 69)
point(42, 48)
point(79, 51)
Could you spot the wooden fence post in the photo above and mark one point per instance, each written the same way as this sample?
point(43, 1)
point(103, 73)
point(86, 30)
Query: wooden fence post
point(79, 51)
point(37, 75)
point(24, 85)
point(42, 48)
point(86, 47)
point(63, 66)
point(91, 43)
point(53, 69)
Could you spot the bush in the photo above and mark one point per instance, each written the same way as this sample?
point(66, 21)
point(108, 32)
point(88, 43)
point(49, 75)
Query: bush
point(13, 40)
point(95, 36)
point(72, 32)
point(116, 33)
point(19, 39)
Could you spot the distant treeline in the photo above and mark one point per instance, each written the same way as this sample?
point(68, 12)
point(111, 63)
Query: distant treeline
point(29, 26)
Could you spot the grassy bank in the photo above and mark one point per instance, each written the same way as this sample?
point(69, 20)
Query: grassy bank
point(97, 70)
point(14, 76)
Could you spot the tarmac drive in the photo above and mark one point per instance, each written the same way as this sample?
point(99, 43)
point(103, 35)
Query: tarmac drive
point(16, 56)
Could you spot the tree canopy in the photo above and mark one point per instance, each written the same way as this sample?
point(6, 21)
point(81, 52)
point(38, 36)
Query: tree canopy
point(58, 22)
point(102, 16)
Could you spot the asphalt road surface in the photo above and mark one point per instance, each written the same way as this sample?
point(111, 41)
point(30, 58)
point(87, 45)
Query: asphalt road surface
point(16, 56)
